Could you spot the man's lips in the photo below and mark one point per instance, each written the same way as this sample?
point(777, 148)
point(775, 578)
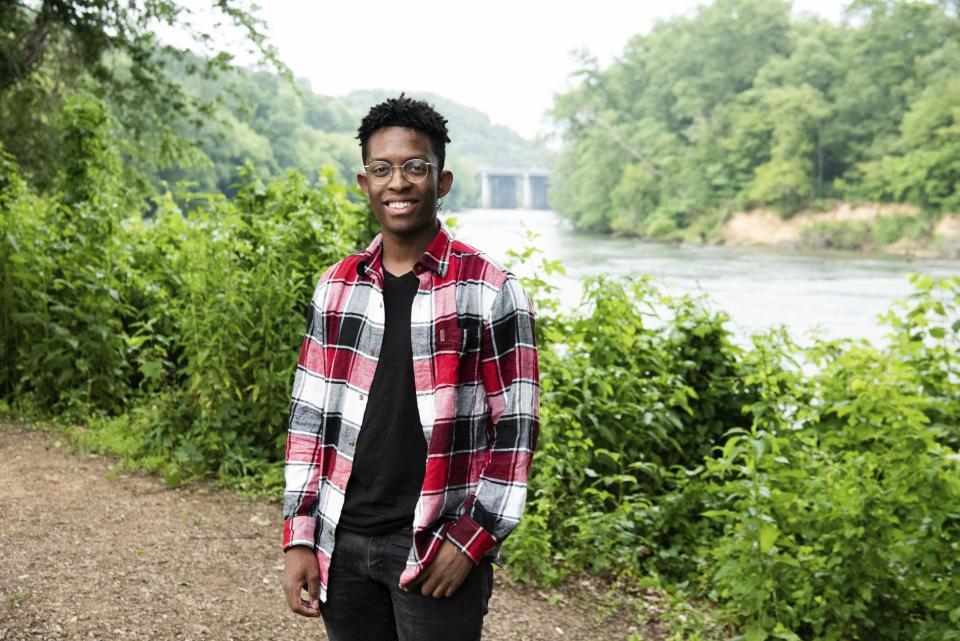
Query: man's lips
point(400, 206)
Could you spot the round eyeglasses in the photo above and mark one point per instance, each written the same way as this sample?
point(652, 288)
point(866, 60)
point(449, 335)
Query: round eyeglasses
point(414, 170)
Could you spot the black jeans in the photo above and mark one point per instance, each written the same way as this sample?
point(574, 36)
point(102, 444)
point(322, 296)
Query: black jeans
point(365, 601)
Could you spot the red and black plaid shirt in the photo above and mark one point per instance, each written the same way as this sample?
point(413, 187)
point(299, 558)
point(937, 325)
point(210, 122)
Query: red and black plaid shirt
point(476, 375)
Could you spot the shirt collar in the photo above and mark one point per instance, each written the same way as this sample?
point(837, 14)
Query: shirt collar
point(436, 257)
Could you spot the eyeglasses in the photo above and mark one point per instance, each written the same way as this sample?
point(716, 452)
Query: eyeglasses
point(414, 170)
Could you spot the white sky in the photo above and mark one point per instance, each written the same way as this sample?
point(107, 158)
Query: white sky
point(506, 58)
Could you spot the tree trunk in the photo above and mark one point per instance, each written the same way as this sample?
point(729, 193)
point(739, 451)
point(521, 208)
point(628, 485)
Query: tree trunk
point(18, 65)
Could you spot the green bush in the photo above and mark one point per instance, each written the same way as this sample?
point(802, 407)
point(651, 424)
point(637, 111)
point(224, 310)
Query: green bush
point(841, 524)
point(63, 317)
point(841, 234)
point(634, 388)
point(197, 315)
point(661, 227)
point(889, 229)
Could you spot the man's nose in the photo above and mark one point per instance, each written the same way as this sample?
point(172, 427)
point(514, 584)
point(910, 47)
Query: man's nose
point(397, 180)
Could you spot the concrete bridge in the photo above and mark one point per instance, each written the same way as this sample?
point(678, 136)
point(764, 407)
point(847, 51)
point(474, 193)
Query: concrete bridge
point(513, 188)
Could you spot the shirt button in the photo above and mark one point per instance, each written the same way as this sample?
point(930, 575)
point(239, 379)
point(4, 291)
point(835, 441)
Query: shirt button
point(351, 443)
point(362, 397)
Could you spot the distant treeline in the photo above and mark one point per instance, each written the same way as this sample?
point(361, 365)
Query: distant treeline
point(746, 105)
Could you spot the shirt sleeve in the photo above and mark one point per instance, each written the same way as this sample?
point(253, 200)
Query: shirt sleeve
point(510, 373)
point(302, 462)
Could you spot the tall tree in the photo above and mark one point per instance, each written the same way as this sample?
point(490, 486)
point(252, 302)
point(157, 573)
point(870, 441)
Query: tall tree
point(53, 48)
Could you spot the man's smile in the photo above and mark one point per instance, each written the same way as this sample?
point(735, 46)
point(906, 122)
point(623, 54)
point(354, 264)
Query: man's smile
point(401, 206)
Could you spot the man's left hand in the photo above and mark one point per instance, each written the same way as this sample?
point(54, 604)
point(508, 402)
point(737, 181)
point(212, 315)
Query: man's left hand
point(445, 573)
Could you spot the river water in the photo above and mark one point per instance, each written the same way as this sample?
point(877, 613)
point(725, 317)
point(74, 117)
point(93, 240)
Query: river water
point(837, 295)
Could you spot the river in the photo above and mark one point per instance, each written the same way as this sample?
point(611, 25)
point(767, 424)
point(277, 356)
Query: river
point(838, 295)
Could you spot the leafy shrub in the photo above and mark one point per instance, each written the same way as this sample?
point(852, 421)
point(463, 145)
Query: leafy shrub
point(196, 315)
point(841, 520)
point(634, 386)
point(661, 227)
point(64, 337)
point(889, 229)
point(841, 234)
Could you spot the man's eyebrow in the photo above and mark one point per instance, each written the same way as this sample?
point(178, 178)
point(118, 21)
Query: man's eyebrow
point(420, 156)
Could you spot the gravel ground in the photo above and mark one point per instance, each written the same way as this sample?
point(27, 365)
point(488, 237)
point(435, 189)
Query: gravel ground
point(90, 552)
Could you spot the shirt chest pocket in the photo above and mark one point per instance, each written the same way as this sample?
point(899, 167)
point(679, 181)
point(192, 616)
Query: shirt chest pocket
point(461, 335)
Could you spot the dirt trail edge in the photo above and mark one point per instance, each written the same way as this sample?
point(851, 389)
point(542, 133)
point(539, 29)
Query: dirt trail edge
point(87, 552)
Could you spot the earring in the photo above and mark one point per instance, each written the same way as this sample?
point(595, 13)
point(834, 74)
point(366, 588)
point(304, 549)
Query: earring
point(439, 204)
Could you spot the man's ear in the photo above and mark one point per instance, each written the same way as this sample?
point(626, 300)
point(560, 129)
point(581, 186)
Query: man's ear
point(362, 181)
point(444, 183)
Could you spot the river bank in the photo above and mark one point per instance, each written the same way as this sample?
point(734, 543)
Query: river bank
point(894, 229)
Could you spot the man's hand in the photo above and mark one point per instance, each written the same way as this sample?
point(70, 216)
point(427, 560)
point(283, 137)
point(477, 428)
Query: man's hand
point(300, 570)
point(445, 573)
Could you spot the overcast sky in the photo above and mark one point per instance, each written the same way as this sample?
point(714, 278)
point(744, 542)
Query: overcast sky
point(506, 58)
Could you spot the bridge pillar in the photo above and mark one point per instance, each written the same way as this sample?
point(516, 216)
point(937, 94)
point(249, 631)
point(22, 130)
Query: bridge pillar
point(527, 202)
point(484, 190)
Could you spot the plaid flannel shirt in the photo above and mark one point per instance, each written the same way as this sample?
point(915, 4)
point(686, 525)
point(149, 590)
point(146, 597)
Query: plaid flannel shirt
point(476, 377)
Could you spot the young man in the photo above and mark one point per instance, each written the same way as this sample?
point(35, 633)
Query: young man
point(415, 411)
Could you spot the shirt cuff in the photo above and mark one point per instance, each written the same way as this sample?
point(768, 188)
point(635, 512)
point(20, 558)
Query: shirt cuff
point(471, 538)
point(299, 530)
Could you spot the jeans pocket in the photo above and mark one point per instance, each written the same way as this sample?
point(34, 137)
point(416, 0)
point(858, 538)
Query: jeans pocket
point(397, 548)
point(402, 537)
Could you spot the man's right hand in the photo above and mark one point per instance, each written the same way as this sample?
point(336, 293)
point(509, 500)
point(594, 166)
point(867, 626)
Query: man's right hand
point(300, 570)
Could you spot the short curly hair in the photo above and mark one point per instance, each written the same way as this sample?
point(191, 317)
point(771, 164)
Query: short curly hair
point(405, 112)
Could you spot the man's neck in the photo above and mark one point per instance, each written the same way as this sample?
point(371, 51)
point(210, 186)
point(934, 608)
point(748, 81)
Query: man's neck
point(400, 253)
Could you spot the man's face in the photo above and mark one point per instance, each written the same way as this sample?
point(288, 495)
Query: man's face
point(404, 208)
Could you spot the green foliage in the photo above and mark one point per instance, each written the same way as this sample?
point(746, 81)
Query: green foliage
point(925, 166)
point(195, 315)
point(190, 115)
point(635, 390)
point(926, 330)
point(867, 234)
point(840, 520)
point(266, 119)
point(233, 280)
point(741, 105)
point(790, 178)
point(812, 493)
point(51, 50)
point(890, 229)
point(90, 168)
point(839, 234)
point(66, 344)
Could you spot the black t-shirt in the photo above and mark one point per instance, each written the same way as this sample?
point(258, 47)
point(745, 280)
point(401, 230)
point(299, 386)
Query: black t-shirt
point(391, 453)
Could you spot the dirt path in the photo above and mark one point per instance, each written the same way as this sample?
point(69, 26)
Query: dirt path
point(87, 552)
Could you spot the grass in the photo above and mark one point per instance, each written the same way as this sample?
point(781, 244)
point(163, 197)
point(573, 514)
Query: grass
point(14, 599)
